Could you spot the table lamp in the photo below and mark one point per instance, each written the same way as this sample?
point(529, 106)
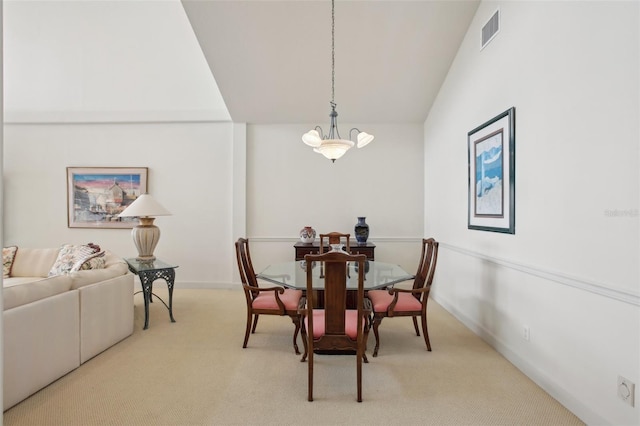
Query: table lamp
point(146, 235)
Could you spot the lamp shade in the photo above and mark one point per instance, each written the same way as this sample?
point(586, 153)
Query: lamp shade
point(145, 205)
point(312, 138)
point(334, 148)
point(364, 139)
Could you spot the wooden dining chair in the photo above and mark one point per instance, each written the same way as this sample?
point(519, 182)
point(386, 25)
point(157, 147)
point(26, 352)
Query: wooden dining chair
point(265, 300)
point(397, 302)
point(335, 328)
point(335, 238)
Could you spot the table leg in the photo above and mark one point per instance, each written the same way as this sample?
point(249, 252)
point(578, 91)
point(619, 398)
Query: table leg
point(171, 275)
point(146, 280)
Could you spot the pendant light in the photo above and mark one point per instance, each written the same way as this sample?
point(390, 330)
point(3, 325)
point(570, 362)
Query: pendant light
point(332, 146)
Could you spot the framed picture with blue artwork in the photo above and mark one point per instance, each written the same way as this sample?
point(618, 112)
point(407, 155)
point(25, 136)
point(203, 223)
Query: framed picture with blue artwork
point(97, 195)
point(492, 169)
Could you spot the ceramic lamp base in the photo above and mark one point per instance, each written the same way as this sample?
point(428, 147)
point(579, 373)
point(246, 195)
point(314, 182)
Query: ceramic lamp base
point(146, 236)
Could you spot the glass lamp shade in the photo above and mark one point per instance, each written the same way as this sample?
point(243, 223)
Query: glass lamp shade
point(334, 148)
point(364, 139)
point(312, 138)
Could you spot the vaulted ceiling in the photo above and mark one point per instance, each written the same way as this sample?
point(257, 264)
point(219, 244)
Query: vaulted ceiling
point(272, 59)
point(269, 60)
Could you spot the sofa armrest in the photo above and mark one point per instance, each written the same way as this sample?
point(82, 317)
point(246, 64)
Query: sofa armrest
point(41, 341)
point(106, 314)
point(91, 276)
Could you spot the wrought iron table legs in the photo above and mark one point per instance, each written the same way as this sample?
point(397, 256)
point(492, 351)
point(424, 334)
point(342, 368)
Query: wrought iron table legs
point(146, 280)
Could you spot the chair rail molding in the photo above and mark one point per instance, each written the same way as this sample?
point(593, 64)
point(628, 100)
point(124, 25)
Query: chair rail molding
point(375, 240)
point(590, 286)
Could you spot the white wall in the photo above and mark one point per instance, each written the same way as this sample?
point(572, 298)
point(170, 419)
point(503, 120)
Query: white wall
point(289, 187)
point(190, 166)
point(570, 273)
point(109, 84)
point(219, 187)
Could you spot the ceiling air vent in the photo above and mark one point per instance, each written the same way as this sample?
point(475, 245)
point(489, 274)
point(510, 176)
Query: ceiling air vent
point(490, 29)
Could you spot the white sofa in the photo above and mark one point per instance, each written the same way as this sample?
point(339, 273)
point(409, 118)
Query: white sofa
point(54, 324)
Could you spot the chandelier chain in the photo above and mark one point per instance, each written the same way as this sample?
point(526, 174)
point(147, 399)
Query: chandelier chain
point(333, 53)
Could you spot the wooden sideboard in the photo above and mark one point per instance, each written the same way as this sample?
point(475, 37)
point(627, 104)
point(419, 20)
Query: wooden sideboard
point(301, 248)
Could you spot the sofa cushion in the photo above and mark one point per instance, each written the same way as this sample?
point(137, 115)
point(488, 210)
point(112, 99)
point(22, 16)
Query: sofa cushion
point(71, 257)
point(33, 262)
point(88, 277)
point(8, 255)
point(114, 266)
point(17, 292)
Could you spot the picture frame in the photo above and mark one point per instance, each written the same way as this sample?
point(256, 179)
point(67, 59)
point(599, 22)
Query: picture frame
point(491, 174)
point(97, 195)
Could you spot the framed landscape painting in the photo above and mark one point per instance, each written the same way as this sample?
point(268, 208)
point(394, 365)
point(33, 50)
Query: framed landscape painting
point(97, 195)
point(491, 151)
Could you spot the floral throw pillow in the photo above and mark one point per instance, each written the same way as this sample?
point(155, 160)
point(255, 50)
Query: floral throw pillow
point(71, 258)
point(96, 262)
point(8, 254)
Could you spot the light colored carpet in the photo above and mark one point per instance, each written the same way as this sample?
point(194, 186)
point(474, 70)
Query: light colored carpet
point(195, 372)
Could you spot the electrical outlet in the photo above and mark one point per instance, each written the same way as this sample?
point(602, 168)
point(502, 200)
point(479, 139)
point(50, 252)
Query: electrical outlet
point(527, 333)
point(626, 390)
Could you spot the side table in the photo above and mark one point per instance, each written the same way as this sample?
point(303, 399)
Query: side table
point(148, 273)
point(301, 248)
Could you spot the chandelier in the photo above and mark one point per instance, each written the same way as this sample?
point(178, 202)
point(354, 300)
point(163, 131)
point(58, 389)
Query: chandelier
point(332, 146)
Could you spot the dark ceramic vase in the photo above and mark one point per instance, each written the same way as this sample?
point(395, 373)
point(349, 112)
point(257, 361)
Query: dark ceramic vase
point(361, 230)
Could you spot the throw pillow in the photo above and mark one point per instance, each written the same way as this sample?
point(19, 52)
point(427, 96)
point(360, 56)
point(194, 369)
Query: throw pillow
point(71, 257)
point(8, 254)
point(93, 262)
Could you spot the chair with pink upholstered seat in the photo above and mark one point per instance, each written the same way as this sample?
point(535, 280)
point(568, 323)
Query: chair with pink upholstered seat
point(265, 300)
point(335, 328)
point(397, 302)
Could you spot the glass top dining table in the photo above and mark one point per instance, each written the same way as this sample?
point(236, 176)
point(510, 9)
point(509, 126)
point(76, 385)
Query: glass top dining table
point(294, 275)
